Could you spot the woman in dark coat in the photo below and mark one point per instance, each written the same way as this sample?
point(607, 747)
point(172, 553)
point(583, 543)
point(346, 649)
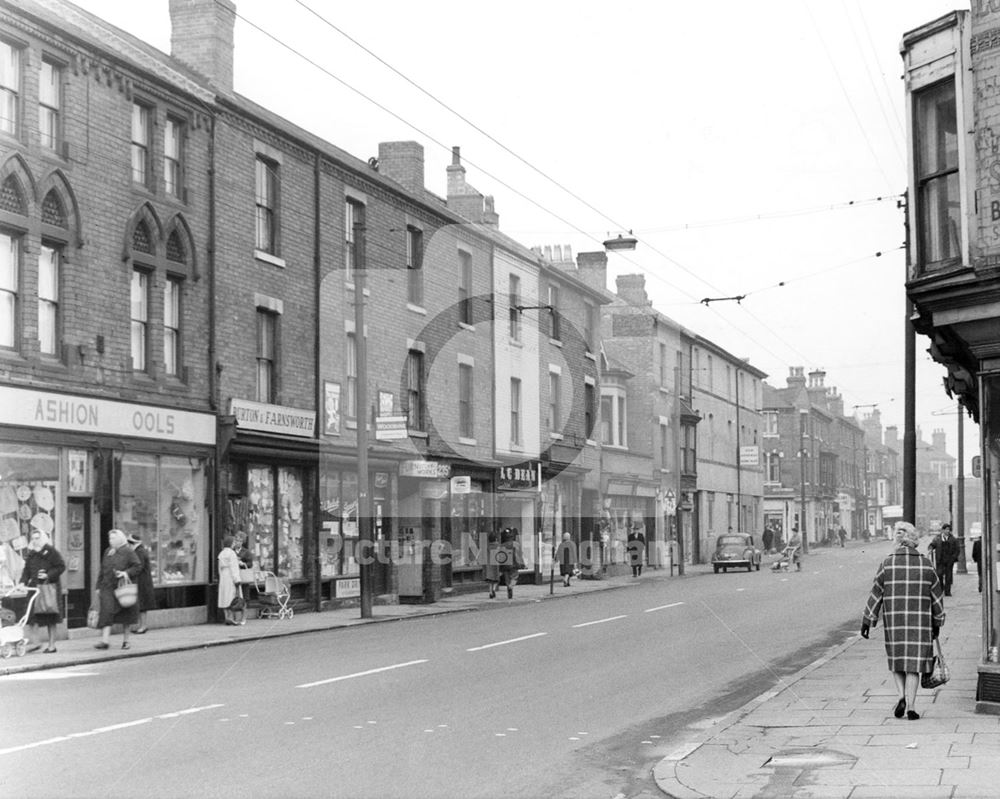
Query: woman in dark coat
point(636, 546)
point(564, 554)
point(510, 559)
point(118, 561)
point(147, 597)
point(43, 566)
point(909, 595)
point(492, 570)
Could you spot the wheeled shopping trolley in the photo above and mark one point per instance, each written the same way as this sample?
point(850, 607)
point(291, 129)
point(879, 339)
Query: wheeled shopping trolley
point(274, 595)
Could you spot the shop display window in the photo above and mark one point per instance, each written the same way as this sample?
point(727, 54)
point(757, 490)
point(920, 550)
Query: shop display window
point(339, 522)
point(471, 522)
point(274, 520)
point(162, 500)
point(29, 494)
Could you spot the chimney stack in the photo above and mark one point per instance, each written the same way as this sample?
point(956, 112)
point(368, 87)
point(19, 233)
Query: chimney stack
point(632, 289)
point(403, 162)
point(201, 36)
point(593, 268)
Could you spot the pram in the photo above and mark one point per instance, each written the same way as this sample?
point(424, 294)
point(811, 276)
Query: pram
point(788, 556)
point(274, 595)
point(12, 640)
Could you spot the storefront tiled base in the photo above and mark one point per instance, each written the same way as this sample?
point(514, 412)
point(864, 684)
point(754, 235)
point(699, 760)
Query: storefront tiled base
point(180, 617)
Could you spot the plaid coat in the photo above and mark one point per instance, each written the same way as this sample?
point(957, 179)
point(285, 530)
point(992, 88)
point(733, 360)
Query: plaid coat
point(908, 594)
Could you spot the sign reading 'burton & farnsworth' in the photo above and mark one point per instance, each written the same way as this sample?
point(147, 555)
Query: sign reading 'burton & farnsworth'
point(273, 418)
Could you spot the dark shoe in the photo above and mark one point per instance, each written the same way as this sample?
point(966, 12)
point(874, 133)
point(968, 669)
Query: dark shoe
point(493, 594)
point(912, 715)
point(49, 650)
point(125, 645)
point(230, 623)
point(947, 593)
point(900, 708)
point(102, 645)
point(140, 631)
point(510, 593)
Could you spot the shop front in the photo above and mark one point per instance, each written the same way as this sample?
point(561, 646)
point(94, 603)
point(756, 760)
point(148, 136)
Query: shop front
point(517, 506)
point(423, 528)
point(76, 467)
point(629, 504)
point(472, 514)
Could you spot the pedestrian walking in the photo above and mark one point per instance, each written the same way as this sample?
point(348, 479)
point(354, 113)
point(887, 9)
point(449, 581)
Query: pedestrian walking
point(767, 539)
point(636, 546)
point(492, 568)
point(907, 592)
point(147, 596)
point(119, 561)
point(42, 569)
point(565, 555)
point(944, 552)
point(510, 559)
point(842, 534)
point(230, 591)
point(977, 556)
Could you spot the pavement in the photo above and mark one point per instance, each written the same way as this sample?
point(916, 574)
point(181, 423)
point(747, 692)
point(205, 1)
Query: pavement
point(826, 731)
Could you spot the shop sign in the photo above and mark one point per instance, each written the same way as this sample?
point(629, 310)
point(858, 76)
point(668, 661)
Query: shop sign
point(749, 456)
point(390, 428)
point(273, 418)
point(348, 588)
point(425, 469)
point(518, 478)
point(73, 413)
point(461, 485)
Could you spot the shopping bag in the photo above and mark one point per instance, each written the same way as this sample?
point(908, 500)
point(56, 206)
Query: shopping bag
point(47, 600)
point(127, 592)
point(248, 576)
point(940, 674)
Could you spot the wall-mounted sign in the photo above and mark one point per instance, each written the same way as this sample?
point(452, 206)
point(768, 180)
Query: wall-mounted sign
point(348, 588)
point(461, 484)
point(750, 456)
point(425, 469)
point(331, 409)
point(273, 418)
point(518, 478)
point(391, 428)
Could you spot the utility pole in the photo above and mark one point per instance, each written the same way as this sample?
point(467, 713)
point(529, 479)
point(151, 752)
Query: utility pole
point(909, 386)
point(365, 542)
point(676, 420)
point(739, 469)
point(803, 416)
point(959, 523)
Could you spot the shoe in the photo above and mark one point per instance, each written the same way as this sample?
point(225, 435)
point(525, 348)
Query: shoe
point(912, 715)
point(33, 648)
point(493, 594)
point(102, 645)
point(510, 593)
point(126, 645)
point(900, 708)
point(49, 650)
point(140, 631)
point(241, 623)
point(230, 623)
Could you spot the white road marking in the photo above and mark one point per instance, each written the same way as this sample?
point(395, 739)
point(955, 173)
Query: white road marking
point(101, 730)
point(600, 621)
point(663, 607)
point(503, 643)
point(48, 675)
point(361, 674)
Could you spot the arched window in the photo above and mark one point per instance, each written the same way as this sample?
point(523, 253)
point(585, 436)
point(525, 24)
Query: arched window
point(12, 205)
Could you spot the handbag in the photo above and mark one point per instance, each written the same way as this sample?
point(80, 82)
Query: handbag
point(127, 592)
point(248, 576)
point(94, 614)
point(238, 603)
point(939, 673)
point(47, 600)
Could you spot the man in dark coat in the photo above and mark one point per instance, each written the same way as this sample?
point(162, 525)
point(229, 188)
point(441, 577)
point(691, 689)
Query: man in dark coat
point(944, 553)
point(977, 556)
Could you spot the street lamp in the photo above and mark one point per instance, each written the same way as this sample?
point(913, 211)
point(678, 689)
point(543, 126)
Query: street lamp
point(621, 243)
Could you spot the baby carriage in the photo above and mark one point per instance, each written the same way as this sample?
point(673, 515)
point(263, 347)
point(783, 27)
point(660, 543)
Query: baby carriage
point(12, 640)
point(274, 595)
point(788, 556)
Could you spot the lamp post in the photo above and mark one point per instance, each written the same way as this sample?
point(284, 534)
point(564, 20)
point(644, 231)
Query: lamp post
point(739, 465)
point(959, 521)
point(803, 530)
point(361, 414)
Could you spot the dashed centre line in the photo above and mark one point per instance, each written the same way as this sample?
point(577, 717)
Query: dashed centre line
point(600, 621)
point(663, 607)
point(503, 643)
point(361, 673)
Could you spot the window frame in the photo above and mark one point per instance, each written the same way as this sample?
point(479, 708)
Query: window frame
point(140, 349)
point(554, 417)
point(514, 300)
point(140, 149)
point(50, 301)
point(589, 410)
point(466, 401)
point(555, 327)
point(267, 355)
point(414, 266)
point(13, 291)
point(354, 251)
point(173, 164)
point(614, 430)
point(516, 434)
point(14, 90)
point(267, 205)
point(465, 288)
point(173, 325)
point(351, 376)
point(416, 417)
point(52, 139)
point(589, 327)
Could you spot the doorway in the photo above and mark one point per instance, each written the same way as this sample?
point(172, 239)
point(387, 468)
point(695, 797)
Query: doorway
point(77, 579)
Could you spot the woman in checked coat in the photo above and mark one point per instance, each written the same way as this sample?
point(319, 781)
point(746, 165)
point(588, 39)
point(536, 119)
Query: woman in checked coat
point(908, 594)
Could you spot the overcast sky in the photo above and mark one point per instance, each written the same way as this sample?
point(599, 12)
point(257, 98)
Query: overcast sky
point(746, 144)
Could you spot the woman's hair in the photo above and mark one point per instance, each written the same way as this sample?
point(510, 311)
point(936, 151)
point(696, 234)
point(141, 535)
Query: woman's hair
point(907, 535)
point(227, 541)
point(116, 532)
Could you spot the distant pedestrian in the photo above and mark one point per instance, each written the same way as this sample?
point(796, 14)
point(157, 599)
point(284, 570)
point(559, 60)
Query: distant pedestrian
point(492, 567)
point(119, 561)
point(767, 539)
point(908, 593)
point(944, 552)
point(842, 534)
point(510, 559)
point(977, 556)
point(147, 597)
point(230, 591)
point(42, 567)
point(636, 546)
point(564, 554)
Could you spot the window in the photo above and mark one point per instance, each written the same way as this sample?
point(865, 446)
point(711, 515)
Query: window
point(49, 103)
point(352, 377)
point(689, 455)
point(266, 198)
point(770, 423)
point(664, 447)
point(48, 300)
point(935, 141)
point(514, 292)
point(710, 372)
point(465, 413)
point(622, 441)
point(664, 369)
point(266, 350)
point(589, 393)
point(554, 331)
point(140, 319)
point(414, 266)
point(607, 417)
point(354, 238)
point(415, 390)
point(10, 87)
point(464, 288)
point(772, 467)
point(589, 326)
point(172, 140)
point(515, 411)
point(555, 402)
point(614, 429)
point(140, 144)
point(171, 326)
point(10, 257)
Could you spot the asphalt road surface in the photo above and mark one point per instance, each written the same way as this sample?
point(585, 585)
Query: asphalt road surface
point(572, 698)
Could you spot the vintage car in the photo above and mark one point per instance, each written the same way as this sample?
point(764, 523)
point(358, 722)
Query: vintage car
point(735, 550)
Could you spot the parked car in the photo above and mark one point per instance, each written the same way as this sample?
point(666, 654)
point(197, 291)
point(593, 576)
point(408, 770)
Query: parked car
point(735, 550)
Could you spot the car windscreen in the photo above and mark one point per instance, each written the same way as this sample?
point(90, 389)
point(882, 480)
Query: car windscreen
point(732, 540)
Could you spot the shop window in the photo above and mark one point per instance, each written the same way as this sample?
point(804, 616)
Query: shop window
point(10, 262)
point(471, 523)
point(339, 523)
point(48, 299)
point(162, 499)
point(275, 509)
point(49, 104)
point(29, 494)
point(140, 143)
point(10, 87)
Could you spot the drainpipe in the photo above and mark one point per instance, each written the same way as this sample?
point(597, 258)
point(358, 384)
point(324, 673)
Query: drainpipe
point(317, 291)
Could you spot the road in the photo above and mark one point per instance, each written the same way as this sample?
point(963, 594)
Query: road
point(571, 698)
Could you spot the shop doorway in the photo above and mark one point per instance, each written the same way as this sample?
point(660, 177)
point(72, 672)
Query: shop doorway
point(77, 579)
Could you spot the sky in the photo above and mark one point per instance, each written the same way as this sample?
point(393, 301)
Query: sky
point(754, 149)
